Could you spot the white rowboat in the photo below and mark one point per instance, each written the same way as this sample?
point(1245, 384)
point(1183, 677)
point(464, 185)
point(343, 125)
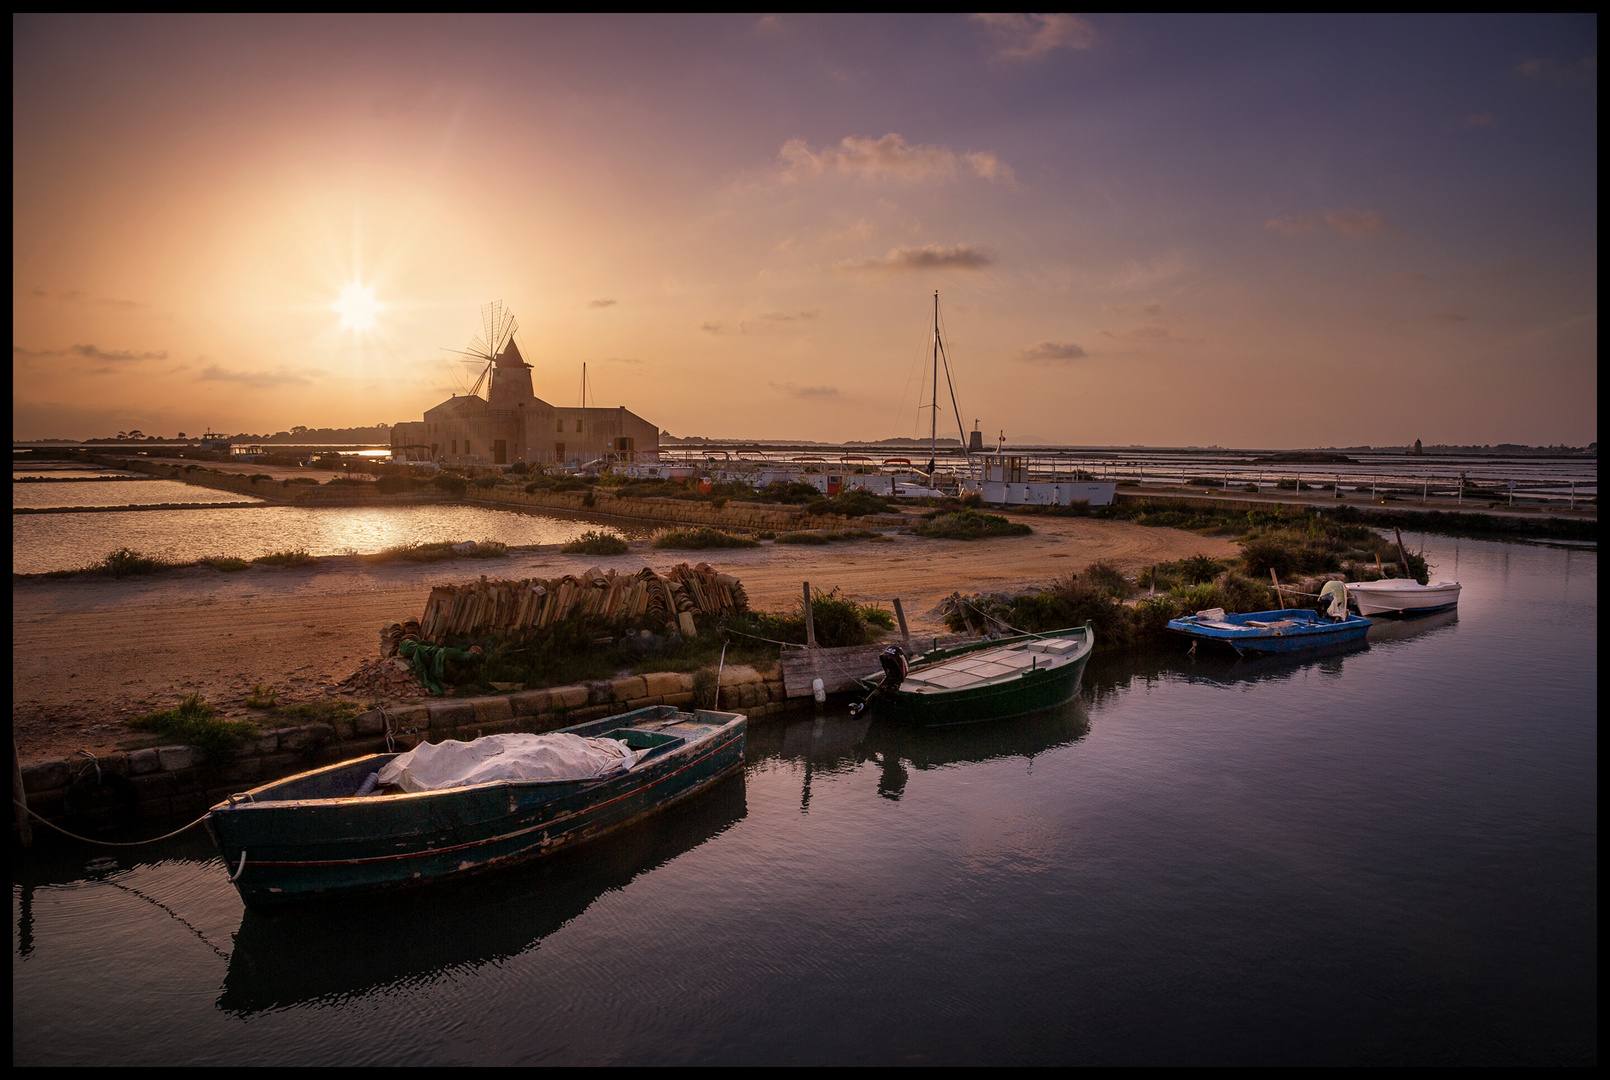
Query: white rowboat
point(1401, 596)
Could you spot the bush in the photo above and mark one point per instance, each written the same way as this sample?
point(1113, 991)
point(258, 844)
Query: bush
point(596, 542)
point(850, 504)
point(700, 539)
point(790, 492)
point(195, 723)
point(449, 484)
point(394, 485)
point(262, 697)
point(228, 564)
point(294, 557)
point(970, 525)
point(1107, 580)
point(125, 563)
point(486, 482)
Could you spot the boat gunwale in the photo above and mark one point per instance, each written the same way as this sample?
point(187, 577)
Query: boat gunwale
point(582, 784)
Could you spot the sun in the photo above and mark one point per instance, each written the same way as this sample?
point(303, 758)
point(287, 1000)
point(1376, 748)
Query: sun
point(357, 306)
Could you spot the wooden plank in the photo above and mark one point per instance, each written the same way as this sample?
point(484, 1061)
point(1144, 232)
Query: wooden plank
point(837, 668)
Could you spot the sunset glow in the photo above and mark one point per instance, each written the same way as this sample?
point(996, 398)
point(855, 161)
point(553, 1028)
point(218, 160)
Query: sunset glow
point(1144, 230)
point(357, 307)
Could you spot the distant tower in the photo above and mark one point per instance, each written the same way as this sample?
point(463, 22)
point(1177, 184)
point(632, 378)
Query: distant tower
point(1417, 450)
point(975, 441)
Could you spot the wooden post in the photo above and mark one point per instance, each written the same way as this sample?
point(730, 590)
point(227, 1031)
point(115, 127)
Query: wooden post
point(19, 796)
point(810, 620)
point(1279, 599)
point(900, 617)
point(1403, 553)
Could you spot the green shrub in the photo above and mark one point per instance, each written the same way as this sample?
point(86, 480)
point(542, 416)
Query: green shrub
point(596, 542)
point(195, 723)
point(700, 539)
point(1107, 579)
point(293, 557)
point(126, 563)
point(262, 697)
point(449, 484)
point(228, 563)
point(970, 525)
point(394, 485)
point(850, 504)
point(802, 538)
point(486, 482)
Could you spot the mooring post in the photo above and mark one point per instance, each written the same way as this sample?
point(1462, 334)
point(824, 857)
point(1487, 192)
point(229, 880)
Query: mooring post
point(1403, 553)
point(810, 620)
point(900, 617)
point(19, 796)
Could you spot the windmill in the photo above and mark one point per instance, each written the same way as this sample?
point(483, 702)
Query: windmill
point(497, 330)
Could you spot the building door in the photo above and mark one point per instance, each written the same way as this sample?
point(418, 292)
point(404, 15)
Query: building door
point(500, 452)
point(559, 451)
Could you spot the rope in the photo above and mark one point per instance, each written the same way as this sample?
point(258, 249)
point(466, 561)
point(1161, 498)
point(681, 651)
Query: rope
point(110, 843)
point(757, 637)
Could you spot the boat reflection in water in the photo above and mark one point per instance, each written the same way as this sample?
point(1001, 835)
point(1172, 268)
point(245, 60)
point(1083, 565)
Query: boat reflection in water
point(1388, 631)
point(836, 743)
point(349, 949)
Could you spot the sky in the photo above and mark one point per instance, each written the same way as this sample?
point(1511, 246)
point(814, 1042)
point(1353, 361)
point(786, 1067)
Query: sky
point(1254, 231)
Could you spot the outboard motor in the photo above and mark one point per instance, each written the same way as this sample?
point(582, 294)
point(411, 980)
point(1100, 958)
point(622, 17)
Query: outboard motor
point(895, 669)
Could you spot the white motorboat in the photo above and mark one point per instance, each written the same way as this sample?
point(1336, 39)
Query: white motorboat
point(1402, 596)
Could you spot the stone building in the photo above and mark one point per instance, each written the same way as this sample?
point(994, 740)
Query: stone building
point(512, 424)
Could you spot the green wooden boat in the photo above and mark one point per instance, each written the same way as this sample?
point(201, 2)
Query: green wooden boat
point(984, 680)
point(321, 834)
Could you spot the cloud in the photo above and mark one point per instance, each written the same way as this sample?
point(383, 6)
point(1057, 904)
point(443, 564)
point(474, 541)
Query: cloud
point(89, 352)
point(74, 296)
point(1357, 222)
point(890, 157)
point(785, 316)
point(711, 327)
point(928, 257)
point(807, 392)
point(621, 360)
point(1145, 273)
point(1581, 73)
point(1052, 352)
point(1031, 37)
point(214, 373)
point(602, 303)
point(1346, 222)
point(1291, 226)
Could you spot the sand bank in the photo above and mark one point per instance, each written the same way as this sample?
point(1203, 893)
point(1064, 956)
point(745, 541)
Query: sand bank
point(88, 652)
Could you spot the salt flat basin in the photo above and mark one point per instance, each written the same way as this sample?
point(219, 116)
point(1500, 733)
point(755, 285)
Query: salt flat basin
point(311, 836)
point(1402, 596)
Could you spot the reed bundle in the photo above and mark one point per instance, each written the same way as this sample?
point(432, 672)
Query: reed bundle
point(510, 608)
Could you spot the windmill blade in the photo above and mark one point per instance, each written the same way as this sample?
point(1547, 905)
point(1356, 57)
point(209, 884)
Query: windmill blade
point(484, 373)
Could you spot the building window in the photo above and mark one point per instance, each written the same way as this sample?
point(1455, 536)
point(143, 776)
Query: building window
point(561, 427)
point(455, 446)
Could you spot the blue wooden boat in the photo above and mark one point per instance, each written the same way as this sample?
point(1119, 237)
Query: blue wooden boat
point(1263, 632)
point(312, 835)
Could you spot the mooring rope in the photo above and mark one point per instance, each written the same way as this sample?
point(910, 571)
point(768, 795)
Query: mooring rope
point(109, 843)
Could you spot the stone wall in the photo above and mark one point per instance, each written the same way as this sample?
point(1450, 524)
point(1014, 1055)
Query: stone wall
point(176, 782)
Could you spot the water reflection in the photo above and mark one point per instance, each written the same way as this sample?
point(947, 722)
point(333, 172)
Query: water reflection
point(331, 952)
point(835, 743)
point(338, 952)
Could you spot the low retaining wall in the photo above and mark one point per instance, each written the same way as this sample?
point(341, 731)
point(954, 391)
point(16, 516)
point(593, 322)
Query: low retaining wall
point(171, 782)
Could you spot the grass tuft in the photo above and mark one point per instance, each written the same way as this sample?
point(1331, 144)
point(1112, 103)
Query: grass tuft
point(596, 542)
point(700, 539)
point(291, 558)
point(969, 525)
point(193, 722)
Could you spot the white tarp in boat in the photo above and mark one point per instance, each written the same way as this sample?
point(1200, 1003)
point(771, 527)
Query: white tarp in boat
point(556, 756)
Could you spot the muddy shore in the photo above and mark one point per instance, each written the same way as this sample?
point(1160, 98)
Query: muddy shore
point(90, 652)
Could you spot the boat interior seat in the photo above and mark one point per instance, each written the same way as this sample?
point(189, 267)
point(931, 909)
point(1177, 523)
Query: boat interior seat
point(1055, 648)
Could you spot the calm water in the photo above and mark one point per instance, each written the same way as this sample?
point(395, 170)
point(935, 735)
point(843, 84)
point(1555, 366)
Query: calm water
point(1385, 856)
point(119, 493)
point(42, 542)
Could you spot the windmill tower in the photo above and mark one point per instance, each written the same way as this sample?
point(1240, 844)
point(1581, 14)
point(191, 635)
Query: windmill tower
point(504, 371)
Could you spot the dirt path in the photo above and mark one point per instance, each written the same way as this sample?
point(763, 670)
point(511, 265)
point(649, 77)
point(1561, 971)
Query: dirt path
point(88, 653)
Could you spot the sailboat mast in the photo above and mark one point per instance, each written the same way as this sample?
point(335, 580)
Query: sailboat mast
point(933, 414)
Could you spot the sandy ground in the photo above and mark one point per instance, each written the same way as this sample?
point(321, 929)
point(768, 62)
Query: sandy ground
point(88, 653)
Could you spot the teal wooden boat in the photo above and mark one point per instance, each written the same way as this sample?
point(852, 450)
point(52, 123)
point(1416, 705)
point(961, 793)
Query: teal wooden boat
point(984, 680)
point(313, 835)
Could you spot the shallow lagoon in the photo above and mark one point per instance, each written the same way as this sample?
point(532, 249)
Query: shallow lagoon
point(1388, 855)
